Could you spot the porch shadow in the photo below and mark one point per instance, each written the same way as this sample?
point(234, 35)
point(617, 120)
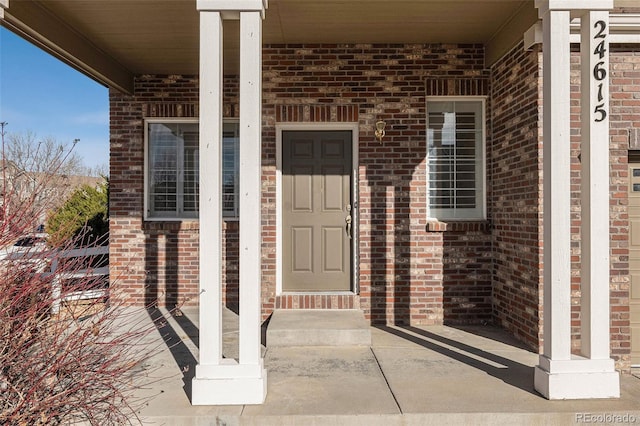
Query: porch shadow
point(179, 330)
point(176, 346)
point(511, 372)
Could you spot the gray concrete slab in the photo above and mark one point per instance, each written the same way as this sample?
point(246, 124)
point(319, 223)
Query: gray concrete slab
point(324, 380)
point(450, 375)
point(408, 376)
point(318, 327)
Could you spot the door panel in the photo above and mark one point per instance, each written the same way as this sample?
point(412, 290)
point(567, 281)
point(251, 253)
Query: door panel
point(303, 248)
point(332, 200)
point(332, 257)
point(302, 196)
point(634, 261)
point(316, 188)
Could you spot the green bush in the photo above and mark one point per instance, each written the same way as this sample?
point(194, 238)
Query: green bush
point(84, 216)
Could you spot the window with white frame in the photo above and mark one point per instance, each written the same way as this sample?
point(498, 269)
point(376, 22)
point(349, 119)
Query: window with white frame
point(172, 188)
point(455, 158)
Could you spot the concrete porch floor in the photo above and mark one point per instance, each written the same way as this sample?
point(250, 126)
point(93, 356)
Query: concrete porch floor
point(408, 376)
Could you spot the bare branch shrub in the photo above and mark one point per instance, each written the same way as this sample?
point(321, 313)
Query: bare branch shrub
point(69, 352)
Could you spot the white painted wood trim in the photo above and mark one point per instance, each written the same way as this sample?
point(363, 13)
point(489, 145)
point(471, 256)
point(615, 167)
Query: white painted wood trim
point(210, 260)
point(544, 6)
point(354, 128)
point(557, 194)
point(250, 197)
point(623, 28)
point(217, 380)
point(559, 374)
point(595, 267)
point(230, 8)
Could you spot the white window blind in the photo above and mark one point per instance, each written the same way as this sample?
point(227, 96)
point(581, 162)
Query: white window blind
point(173, 166)
point(455, 159)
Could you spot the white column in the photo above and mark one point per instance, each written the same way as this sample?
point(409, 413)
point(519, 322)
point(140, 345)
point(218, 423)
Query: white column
point(560, 375)
point(250, 186)
point(220, 381)
point(557, 189)
point(210, 263)
point(595, 272)
point(595, 184)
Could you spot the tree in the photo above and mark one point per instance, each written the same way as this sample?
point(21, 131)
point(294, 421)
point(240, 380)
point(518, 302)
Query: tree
point(41, 155)
point(33, 179)
point(85, 213)
point(34, 155)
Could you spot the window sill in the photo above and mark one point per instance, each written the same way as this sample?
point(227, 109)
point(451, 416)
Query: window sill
point(187, 224)
point(171, 225)
point(459, 226)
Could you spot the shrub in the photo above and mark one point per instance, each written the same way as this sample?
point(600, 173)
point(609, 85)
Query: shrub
point(64, 361)
point(84, 214)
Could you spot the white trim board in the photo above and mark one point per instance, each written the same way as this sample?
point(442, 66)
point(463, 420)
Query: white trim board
point(623, 28)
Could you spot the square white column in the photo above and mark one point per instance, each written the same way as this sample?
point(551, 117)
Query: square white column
point(250, 274)
point(210, 158)
point(595, 184)
point(561, 375)
point(221, 381)
point(557, 189)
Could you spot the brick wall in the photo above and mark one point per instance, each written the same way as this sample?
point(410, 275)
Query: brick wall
point(467, 274)
point(515, 193)
point(401, 262)
point(625, 126)
point(156, 262)
point(625, 122)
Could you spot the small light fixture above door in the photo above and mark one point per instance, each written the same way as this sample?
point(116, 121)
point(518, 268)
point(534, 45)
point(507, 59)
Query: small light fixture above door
point(380, 125)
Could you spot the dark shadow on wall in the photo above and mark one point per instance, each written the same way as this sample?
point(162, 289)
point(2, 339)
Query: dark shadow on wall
point(162, 265)
point(171, 264)
point(389, 172)
point(171, 261)
point(466, 298)
point(151, 291)
point(402, 251)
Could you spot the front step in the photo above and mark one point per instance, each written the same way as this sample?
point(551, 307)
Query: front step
point(316, 327)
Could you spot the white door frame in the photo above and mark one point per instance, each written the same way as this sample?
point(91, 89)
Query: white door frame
point(353, 127)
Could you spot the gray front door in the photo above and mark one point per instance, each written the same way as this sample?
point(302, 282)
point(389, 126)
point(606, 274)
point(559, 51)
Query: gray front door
point(316, 210)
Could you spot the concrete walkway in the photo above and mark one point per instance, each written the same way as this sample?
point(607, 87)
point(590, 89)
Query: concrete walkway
point(408, 376)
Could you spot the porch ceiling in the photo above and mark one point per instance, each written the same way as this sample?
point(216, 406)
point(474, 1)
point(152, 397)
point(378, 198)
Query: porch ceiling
point(113, 40)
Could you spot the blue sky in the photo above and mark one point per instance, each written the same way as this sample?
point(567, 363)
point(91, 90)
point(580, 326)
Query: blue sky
point(41, 94)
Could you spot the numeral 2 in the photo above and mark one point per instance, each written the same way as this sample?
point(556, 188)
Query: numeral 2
point(603, 27)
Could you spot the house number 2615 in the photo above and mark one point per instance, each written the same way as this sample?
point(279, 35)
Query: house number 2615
point(599, 70)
